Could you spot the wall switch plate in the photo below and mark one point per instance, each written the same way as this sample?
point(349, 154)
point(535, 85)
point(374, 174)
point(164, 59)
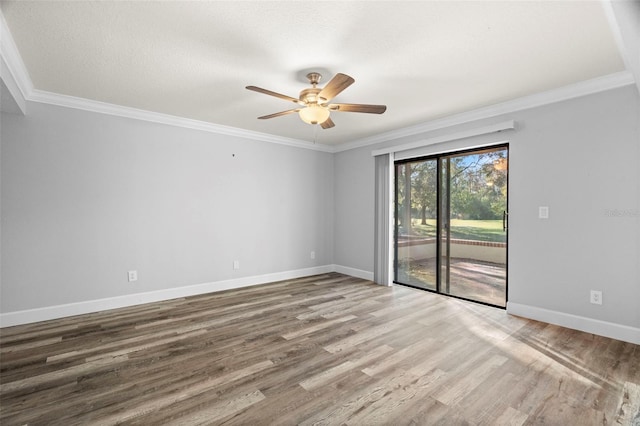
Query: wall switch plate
point(596, 297)
point(132, 276)
point(543, 212)
point(313, 255)
point(236, 264)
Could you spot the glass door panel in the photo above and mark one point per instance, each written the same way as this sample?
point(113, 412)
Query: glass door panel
point(477, 190)
point(416, 227)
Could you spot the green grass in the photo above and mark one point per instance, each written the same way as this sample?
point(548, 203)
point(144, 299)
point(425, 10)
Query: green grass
point(478, 230)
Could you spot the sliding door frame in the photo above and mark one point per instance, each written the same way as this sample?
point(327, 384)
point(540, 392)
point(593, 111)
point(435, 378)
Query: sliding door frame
point(439, 158)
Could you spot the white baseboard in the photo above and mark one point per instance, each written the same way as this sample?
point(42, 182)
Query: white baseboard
point(602, 328)
point(60, 311)
point(358, 273)
point(589, 325)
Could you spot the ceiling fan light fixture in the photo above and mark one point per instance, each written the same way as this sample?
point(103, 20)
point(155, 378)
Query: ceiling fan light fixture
point(314, 101)
point(314, 114)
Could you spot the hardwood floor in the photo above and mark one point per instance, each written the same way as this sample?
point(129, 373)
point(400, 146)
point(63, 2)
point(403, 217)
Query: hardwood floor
point(328, 349)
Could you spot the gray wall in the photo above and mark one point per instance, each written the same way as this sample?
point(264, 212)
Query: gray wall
point(87, 197)
point(579, 157)
point(354, 208)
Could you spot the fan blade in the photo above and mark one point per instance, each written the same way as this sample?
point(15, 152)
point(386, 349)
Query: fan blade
point(278, 114)
point(269, 92)
point(328, 123)
point(371, 109)
point(337, 84)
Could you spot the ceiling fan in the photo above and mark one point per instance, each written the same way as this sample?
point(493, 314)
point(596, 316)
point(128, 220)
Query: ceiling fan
point(314, 102)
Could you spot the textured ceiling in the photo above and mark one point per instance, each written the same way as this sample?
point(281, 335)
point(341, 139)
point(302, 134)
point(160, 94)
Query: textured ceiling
point(424, 60)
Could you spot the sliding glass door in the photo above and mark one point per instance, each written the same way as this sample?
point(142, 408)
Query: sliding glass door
point(451, 224)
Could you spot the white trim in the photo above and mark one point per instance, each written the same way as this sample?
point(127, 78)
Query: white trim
point(155, 117)
point(28, 316)
point(602, 328)
point(12, 87)
point(403, 156)
point(607, 7)
point(623, 50)
point(20, 75)
point(13, 72)
point(589, 325)
point(494, 128)
point(358, 273)
point(583, 88)
point(16, 72)
point(60, 311)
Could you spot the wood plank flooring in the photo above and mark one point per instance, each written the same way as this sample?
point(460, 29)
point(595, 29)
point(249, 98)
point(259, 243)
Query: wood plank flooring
point(321, 350)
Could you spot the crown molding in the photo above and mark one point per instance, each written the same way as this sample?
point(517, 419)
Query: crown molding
point(171, 120)
point(13, 72)
point(583, 88)
point(17, 79)
point(625, 33)
point(17, 103)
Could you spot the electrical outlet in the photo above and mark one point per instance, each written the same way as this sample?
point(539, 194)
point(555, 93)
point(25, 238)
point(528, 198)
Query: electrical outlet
point(313, 255)
point(596, 297)
point(132, 276)
point(236, 264)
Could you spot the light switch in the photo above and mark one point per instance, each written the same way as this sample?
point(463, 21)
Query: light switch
point(543, 212)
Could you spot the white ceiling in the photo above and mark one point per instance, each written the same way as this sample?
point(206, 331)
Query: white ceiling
point(423, 59)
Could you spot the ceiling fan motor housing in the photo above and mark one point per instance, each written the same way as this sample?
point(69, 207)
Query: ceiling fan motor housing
point(310, 96)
